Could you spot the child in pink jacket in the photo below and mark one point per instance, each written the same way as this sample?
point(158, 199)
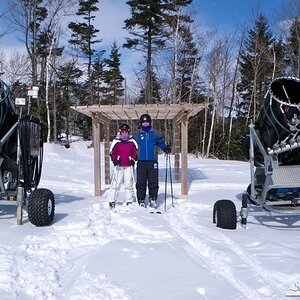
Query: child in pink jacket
point(123, 153)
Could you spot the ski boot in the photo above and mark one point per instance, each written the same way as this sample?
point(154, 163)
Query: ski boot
point(142, 203)
point(152, 202)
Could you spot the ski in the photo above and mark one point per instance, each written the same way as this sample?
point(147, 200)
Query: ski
point(154, 210)
point(122, 207)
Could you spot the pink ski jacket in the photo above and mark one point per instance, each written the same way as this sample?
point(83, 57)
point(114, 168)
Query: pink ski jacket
point(124, 151)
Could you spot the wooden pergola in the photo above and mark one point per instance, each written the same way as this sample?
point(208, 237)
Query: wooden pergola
point(104, 114)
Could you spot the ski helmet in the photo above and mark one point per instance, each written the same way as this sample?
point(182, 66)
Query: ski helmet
point(145, 118)
point(124, 127)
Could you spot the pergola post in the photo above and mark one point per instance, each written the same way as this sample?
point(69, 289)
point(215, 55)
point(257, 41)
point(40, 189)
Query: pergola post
point(97, 157)
point(184, 153)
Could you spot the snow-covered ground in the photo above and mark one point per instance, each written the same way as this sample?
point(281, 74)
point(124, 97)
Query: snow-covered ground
point(90, 252)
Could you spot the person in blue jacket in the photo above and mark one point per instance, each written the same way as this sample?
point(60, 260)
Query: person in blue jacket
point(147, 165)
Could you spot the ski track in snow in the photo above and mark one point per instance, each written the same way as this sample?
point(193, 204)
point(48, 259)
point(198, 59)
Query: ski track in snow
point(185, 223)
point(54, 266)
point(43, 260)
point(67, 247)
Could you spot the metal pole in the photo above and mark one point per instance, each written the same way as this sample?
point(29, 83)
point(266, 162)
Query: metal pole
point(166, 178)
point(171, 180)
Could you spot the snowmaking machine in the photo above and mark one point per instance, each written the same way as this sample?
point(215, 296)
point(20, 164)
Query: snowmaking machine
point(21, 155)
point(273, 149)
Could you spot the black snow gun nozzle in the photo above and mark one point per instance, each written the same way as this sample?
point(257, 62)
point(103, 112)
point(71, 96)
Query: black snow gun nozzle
point(278, 123)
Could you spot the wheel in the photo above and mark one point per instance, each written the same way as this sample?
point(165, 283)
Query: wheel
point(41, 207)
point(224, 214)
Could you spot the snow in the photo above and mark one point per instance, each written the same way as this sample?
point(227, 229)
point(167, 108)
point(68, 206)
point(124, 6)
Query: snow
point(90, 252)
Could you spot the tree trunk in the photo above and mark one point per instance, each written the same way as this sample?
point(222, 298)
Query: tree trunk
point(148, 87)
point(47, 91)
point(212, 120)
point(205, 126)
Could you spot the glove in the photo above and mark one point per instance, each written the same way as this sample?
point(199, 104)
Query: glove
point(132, 162)
point(168, 149)
point(116, 162)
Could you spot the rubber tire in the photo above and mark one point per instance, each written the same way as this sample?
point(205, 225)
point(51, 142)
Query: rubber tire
point(224, 214)
point(41, 207)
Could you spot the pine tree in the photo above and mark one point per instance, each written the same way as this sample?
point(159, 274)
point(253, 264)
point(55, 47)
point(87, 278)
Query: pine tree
point(293, 49)
point(69, 90)
point(46, 41)
point(84, 36)
point(113, 78)
point(177, 24)
point(145, 24)
point(35, 14)
point(156, 98)
point(256, 67)
point(188, 63)
point(98, 77)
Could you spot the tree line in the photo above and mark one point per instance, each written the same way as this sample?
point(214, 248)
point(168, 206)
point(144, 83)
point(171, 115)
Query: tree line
point(178, 63)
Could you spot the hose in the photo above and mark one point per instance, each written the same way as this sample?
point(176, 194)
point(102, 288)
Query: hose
point(31, 165)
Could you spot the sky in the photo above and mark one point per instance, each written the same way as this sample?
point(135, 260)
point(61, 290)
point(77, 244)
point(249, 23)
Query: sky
point(225, 16)
point(92, 253)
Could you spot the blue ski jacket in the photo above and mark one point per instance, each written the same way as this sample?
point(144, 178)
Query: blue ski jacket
point(146, 144)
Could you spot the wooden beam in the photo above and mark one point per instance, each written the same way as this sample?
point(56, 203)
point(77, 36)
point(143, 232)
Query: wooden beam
point(178, 117)
point(133, 111)
point(102, 118)
point(97, 157)
point(184, 154)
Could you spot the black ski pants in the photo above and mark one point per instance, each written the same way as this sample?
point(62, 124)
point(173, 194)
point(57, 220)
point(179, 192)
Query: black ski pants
point(147, 173)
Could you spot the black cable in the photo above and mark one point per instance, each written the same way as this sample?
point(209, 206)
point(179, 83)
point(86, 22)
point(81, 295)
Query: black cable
point(30, 165)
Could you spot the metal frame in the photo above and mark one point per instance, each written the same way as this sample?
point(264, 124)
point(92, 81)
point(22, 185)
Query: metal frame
point(268, 177)
point(17, 197)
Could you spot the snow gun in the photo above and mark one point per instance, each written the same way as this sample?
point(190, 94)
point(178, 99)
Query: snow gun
point(273, 149)
point(21, 156)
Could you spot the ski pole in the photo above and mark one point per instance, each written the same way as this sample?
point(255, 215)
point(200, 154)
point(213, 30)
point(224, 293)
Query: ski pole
point(133, 178)
point(171, 182)
point(166, 178)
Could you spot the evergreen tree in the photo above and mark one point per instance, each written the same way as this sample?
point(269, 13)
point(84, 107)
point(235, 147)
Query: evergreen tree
point(177, 25)
point(256, 67)
point(35, 13)
point(46, 41)
point(188, 62)
point(84, 36)
point(155, 91)
point(69, 93)
point(98, 77)
point(293, 49)
point(145, 24)
point(113, 78)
